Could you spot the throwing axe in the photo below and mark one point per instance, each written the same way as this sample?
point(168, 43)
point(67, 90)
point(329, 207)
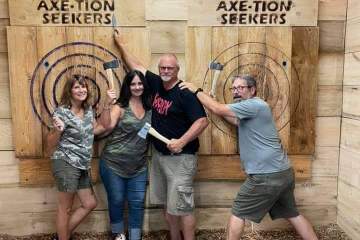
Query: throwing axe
point(108, 67)
point(217, 67)
point(148, 129)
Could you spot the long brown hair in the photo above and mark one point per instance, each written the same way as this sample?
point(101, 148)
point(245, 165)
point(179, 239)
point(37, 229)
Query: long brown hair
point(66, 94)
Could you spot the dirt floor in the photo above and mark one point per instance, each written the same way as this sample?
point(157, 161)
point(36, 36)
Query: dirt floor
point(328, 232)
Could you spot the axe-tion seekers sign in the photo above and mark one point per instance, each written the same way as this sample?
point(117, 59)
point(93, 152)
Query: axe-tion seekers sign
point(253, 12)
point(76, 12)
point(79, 12)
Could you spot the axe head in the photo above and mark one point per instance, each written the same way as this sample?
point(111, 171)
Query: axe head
point(216, 66)
point(144, 130)
point(112, 64)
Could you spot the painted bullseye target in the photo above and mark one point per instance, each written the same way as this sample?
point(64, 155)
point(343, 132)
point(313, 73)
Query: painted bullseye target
point(64, 62)
point(277, 79)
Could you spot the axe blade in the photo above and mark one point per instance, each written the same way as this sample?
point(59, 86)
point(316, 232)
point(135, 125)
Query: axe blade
point(144, 130)
point(216, 66)
point(112, 64)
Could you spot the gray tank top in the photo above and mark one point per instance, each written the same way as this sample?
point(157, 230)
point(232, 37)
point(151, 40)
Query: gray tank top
point(125, 151)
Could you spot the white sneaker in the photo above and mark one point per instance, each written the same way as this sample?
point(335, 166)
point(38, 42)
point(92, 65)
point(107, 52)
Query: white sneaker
point(120, 236)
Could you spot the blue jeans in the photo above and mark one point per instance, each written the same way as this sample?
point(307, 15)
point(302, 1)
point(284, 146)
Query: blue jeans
point(118, 191)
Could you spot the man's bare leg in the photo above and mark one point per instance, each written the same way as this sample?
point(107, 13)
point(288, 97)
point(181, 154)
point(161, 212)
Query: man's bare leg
point(235, 228)
point(303, 227)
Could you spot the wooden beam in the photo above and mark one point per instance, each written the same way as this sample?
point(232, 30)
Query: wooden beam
point(167, 36)
point(219, 167)
point(327, 131)
point(27, 133)
point(305, 48)
point(329, 101)
point(352, 69)
point(331, 68)
point(166, 10)
point(332, 36)
point(332, 10)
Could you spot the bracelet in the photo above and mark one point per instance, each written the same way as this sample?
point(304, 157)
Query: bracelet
point(198, 90)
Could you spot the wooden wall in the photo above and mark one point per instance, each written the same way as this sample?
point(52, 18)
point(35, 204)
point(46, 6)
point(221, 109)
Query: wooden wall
point(348, 216)
point(27, 210)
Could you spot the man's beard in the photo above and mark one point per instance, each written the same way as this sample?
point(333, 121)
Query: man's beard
point(165, 78)
point(237, 98)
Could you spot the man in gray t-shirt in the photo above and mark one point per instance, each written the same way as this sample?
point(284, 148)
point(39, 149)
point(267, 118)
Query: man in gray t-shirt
point(269, 186)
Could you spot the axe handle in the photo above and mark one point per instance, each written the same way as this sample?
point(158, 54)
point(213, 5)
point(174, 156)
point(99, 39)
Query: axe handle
point(110, 77)
point(214, 83)
point(157, 135)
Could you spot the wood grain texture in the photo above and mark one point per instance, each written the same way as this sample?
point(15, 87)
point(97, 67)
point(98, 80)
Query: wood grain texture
point(332, 10)
point(332, 36)
point(27, 134)
point(350, 134)
point(330, 68)
point(4, 9)
point(326, 161)
point(223, 135)
point(352, 69)
point(5, 111)
point(37, 172)
point(329, 101)
point(9, 169)
point(156, 10)
point(351, 102)
point(327, 131)
point(4, 70)
point(167, 36)
point(6, 133)
point(3, 39)
point(352, 27)
point(305, 59)
point(198, 57)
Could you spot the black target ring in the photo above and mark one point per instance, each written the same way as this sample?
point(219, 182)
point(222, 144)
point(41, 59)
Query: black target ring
point(281, 63)
point(50, 66)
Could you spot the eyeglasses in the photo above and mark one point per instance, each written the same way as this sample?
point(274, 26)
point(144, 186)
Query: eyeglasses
point(238, 88)
point(163, 68)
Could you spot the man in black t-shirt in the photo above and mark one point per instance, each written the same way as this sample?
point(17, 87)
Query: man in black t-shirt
point(178, 115)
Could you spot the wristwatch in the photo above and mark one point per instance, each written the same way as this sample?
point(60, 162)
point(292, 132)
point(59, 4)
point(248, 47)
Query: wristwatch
point(198, 90)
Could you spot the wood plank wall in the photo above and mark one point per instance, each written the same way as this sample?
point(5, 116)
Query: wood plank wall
point(32, 210)
point(348, 216)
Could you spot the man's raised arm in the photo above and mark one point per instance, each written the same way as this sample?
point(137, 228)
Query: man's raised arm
point(130, 60)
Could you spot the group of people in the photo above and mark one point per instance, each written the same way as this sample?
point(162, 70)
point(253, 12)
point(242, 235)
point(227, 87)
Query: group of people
point(176, 110)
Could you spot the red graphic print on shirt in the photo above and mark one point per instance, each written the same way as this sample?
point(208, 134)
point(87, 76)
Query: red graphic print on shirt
point(161, 105)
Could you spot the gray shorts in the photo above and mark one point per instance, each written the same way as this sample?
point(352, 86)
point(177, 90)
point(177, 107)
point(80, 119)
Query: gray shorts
point(263, 193)
point(69, 178)
point(171, 182)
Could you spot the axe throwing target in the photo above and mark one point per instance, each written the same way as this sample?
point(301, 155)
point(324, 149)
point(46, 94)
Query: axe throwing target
point(63, 62)
point(276, 76)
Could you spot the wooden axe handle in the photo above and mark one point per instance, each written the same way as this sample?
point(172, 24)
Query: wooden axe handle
point(214, 83)
point(110, 76)
point(157, 135)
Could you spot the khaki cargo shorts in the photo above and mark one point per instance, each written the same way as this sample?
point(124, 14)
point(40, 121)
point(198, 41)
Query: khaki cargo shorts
point(171, 182)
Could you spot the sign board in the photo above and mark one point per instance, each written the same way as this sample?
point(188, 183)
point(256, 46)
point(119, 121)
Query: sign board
point(77, 12)
point(253, 12)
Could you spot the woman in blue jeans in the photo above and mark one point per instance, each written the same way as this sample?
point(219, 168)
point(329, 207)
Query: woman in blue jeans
point(123, 166)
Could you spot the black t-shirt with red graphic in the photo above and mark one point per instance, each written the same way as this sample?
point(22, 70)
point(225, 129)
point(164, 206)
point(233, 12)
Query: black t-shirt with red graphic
point(173, 113)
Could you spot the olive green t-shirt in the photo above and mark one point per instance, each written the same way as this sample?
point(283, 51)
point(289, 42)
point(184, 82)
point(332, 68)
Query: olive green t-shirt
point(125, 151)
